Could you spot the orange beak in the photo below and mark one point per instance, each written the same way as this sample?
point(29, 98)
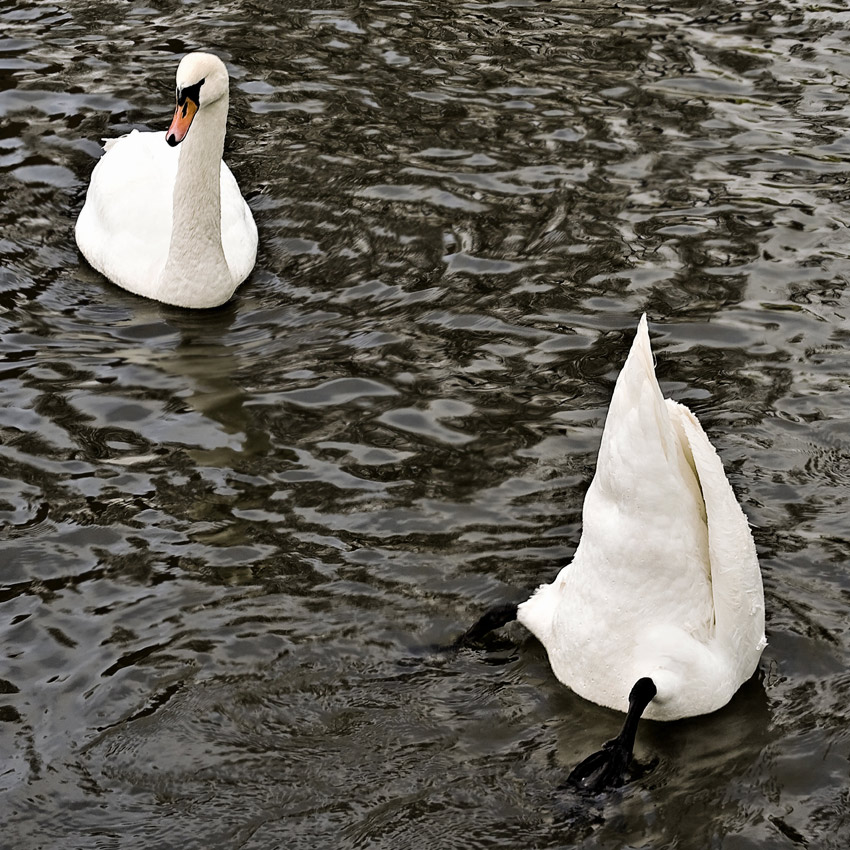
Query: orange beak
point(183, 115)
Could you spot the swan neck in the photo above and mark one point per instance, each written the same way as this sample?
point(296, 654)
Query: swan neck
point(195, 256)
point(197, 192)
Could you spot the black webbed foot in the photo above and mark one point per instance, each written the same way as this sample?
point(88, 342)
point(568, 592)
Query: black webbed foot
point(491, 620)
point(607, 768)
point(603, 769)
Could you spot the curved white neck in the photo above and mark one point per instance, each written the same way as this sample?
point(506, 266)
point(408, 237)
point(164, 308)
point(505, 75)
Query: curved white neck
point(196, 272)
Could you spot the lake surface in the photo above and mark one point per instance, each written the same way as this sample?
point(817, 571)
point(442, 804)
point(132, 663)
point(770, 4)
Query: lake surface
point(231, 536)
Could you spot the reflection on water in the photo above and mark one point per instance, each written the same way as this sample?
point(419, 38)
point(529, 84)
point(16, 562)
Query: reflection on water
point(228, 535)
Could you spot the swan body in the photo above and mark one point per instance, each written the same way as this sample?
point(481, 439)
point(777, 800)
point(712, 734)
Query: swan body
point(665, 583)
point(163, 216)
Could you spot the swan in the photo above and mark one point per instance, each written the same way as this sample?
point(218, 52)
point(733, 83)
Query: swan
point(660, 613)
point(169, 222)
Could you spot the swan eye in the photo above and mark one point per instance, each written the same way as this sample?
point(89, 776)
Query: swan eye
point(192, 93)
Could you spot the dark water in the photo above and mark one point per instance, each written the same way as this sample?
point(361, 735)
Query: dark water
point(230, 535)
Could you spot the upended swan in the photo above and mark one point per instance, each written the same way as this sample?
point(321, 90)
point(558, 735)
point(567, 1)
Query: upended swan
point(661, 611)
point(169, 222)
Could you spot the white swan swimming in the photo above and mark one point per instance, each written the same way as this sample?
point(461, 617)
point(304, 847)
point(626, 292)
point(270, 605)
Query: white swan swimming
point(661, 610)
point(167, 220)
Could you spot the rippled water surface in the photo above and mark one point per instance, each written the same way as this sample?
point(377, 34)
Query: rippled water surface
point(231, 536)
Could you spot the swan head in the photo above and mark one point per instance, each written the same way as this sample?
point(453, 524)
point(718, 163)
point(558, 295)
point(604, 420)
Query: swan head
point(201, 80)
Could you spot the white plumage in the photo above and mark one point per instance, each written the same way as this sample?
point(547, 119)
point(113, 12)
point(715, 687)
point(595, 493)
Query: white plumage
point(665, 582)
point(167, 221)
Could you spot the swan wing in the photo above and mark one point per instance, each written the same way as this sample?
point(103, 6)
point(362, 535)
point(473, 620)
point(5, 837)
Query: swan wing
point(124, 228)
point(238, 230)
point(735, 575)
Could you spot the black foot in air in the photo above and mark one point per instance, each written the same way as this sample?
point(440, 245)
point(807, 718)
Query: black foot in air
point(493, 619)
point(607, 768)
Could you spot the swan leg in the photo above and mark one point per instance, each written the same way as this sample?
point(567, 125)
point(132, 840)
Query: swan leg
point(491, 620)
point(607, 768)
